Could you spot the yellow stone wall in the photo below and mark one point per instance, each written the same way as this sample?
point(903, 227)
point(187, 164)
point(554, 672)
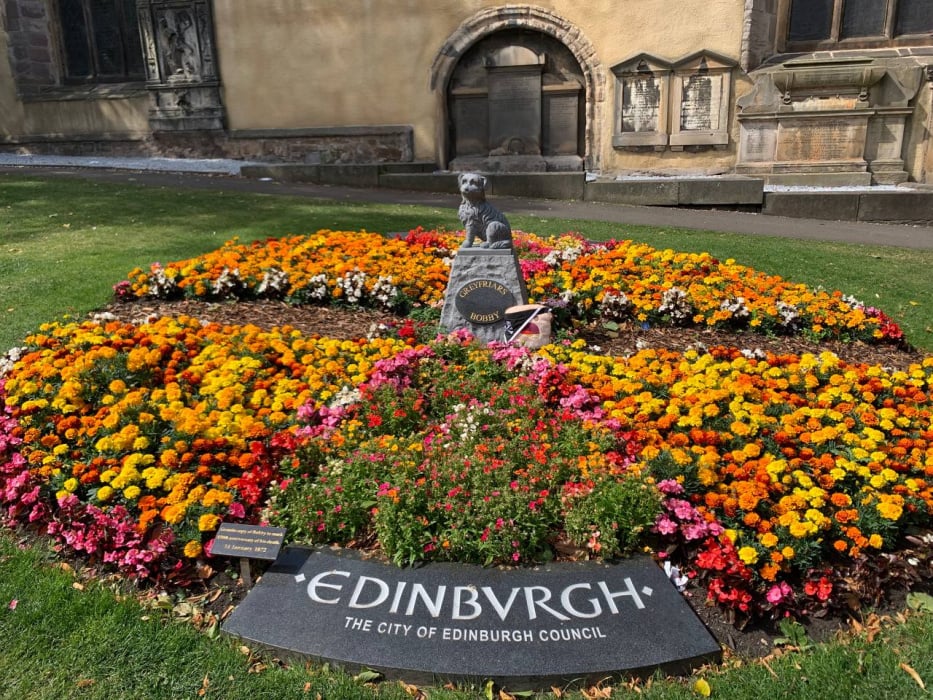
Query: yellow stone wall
point(293, 64)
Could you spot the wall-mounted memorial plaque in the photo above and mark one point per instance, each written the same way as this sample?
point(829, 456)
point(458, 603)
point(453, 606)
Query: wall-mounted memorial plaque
point(642, 94)
point(562, 119)
point(524, 628)
point(701, 93)
point(471, 121)
point(515, 111)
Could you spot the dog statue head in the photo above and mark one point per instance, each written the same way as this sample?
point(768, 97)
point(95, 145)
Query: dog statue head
point(472, 186)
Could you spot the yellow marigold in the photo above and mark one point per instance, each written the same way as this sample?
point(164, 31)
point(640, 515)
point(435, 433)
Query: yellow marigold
point(876, 541)
point(769, 540)
point(131, 493)
point(216, 497)
point(104, 494)
point(890, 510)
point(71, 485)
point(173, 514)
point(749, 555)
point(208, 522)
point(192, 549)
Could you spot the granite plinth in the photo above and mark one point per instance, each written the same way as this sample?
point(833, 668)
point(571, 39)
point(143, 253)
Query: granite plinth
point(523, 628)
point(483, 283)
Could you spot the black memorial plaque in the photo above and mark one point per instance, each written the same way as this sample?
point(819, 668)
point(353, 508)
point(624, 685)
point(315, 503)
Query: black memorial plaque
point(484, 301)
point(524, 628)
point(248, 541)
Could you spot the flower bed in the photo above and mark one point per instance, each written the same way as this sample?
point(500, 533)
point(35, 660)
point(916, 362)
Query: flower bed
point(775, 479)
point(580, 279)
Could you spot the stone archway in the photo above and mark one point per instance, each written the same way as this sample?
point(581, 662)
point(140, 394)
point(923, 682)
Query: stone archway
point(509, 21)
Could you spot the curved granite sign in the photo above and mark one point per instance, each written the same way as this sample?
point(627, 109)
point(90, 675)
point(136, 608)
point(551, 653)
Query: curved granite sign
point(524, 628)
point(484, 301)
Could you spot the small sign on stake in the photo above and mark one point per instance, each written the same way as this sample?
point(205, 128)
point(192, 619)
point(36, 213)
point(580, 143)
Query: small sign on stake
point(247, 542)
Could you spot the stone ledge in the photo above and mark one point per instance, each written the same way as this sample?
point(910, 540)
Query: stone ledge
point(839, 206)
point(321, 132)
point(679, 192)
point(900, 207)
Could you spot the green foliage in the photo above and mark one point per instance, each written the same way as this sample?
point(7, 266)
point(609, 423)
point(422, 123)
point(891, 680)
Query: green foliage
point(613, 518)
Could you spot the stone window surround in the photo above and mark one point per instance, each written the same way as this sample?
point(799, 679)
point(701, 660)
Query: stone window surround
point(888, 40)
point(41, 21)
point(538, 19)
point(671, 76)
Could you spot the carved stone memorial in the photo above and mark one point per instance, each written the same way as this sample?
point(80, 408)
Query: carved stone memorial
point(515, 105)
point(181, 65)
point(842, 120)
point(523, 628)
point(485, 278)
point(642, 97)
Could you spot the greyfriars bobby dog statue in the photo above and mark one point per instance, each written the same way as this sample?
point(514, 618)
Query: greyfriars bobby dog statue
point(479, 218)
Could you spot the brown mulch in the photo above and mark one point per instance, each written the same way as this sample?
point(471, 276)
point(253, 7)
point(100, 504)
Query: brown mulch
point(346, 323)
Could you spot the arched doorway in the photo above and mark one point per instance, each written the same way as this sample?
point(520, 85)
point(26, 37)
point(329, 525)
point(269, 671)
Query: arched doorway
point(515, 102)
point(518, 89)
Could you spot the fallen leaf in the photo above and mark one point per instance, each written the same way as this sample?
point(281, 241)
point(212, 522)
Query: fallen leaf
point(77, 586)
point(367, 676)
point(413, 691)
point(205, 684)
point(558, 693)
point(257, 667)
point(85, 682)
point(913, 674)
point(13, 604)
point(920, 601)
point(701, 687)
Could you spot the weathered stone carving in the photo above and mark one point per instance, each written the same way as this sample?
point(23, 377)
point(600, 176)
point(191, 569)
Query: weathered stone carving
point(177, 36)
point(179, 40)
point(828, 121)
point(480, 219)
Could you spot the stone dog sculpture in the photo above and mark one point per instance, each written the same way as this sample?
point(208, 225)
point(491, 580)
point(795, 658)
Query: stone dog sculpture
point(479, 218)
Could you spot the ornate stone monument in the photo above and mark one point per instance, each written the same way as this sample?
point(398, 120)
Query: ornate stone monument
point(181, 66)
point(839, 121)
point(485, 279)
point(515, 104)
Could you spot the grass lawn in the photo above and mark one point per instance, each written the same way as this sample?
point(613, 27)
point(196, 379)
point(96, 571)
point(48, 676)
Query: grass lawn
point(64, 243)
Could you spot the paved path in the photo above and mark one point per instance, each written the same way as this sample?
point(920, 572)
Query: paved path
point(899, 235)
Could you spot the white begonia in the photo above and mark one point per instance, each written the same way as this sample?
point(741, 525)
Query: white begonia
point(615, 305)
point(274, 282)
point(674, 303)
point(736, 306)
point(9, 359)
point(384, 292)
point(353, 285)
point(788, 313)
point(227, 283)
point(317, 289)
point(161, 286)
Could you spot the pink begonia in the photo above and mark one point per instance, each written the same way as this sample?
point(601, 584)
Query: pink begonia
point(670, 487)
point(778, 593)
point(665, 525)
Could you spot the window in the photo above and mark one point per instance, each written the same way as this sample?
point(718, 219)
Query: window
point(100, 41)
point(815, 24)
